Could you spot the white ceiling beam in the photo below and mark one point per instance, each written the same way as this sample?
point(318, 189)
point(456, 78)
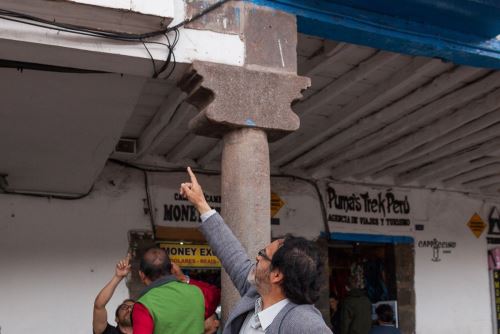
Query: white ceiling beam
point(460, 145)
point(491, 189)
point(474, 174)
point(442, 148)
point(332, 52)
point(189, 143)
point(378, 170)
point(323, 156)
point(458, 168)
point(182, 114)
point(421, 136)
point(160, 119)
point(443, 163)
point(485, 181)
point(211, 155)
point(344, 82)
point(356, 109)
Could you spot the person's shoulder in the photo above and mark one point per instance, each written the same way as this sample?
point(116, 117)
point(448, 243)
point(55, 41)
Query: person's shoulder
point(185, 286)
point(306, 319)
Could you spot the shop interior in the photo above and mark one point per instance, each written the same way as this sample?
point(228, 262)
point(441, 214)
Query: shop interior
point(374, 267)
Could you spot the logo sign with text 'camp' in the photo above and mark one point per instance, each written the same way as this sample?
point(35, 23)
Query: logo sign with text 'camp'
point(476, 225)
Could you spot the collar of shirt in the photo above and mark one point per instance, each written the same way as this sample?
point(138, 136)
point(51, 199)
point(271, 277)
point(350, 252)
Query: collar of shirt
point(267, 316)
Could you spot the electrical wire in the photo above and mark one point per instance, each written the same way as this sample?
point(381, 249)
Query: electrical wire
point(171, 55)
point(150, 204)
point(106, 33)
point(117, 37)
point(125, 37)
point(44, 195)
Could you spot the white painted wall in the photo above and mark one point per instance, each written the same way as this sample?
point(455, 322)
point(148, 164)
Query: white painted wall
point(453, 295)
point(56, 255)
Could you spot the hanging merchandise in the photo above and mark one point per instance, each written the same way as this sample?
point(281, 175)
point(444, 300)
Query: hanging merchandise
point(494, 259)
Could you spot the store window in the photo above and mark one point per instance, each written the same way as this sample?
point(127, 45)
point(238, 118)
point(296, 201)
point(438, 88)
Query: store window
point(380, 267)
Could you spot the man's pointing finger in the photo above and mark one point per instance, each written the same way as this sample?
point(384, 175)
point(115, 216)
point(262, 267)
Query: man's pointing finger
point(192, 176)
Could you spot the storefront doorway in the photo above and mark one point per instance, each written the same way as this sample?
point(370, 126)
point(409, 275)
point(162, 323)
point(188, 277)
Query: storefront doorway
point(381, 266)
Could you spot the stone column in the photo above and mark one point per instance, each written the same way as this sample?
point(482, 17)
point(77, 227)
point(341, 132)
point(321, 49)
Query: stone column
point(246, 193)
point(248, 106)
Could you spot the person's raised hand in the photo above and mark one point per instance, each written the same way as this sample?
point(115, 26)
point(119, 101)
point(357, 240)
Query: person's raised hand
point(193, 192)
point(123, 267)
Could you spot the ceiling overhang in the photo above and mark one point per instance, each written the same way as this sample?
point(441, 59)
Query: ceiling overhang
point(464, 32)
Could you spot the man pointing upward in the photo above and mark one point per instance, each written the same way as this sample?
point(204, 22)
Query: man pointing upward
point(278, 291)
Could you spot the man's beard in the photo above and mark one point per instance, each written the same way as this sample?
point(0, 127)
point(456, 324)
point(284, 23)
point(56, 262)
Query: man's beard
point(251, 276)
point(126, 322)
point(257, 278)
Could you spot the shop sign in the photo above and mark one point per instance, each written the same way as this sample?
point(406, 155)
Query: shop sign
point(355, 208)
point(438, 247)
point(181, 210)
point(476, 225)
point(173, 210)
point(192, 256)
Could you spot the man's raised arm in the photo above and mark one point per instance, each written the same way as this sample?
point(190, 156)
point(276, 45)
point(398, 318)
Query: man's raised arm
point(220, 238)
point(100, 316)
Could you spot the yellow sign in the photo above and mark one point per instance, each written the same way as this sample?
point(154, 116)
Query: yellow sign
point(192, 256)
point(476, 225)
point(276, 204)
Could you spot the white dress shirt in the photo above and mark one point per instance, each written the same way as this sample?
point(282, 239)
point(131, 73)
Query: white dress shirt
point(206, 215)
point(258, 320)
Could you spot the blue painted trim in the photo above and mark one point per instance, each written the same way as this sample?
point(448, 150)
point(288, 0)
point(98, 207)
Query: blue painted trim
point(372, 238)
point(353, 25)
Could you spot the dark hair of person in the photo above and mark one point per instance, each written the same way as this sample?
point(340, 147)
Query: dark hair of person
point(302, 266)
point(155, 263)
point(385, 313)
point(123, 302)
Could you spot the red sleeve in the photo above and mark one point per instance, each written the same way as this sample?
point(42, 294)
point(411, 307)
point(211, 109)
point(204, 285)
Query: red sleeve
point(142, 322)
point(211, 294)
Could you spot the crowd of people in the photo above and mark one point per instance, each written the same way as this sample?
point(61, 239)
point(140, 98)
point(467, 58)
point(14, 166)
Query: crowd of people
point(169, 295)
point(278, 290)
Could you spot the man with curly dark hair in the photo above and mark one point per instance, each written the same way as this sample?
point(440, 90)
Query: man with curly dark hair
point(279, 290)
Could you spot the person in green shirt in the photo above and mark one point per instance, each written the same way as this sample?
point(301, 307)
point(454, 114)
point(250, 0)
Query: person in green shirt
point(166, 305)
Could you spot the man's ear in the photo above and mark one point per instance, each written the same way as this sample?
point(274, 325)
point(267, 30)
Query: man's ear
point(142, 276)
point(276, 276)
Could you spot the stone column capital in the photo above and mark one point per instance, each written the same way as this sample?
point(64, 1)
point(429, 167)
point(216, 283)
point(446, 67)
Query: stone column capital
point(232, 97)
